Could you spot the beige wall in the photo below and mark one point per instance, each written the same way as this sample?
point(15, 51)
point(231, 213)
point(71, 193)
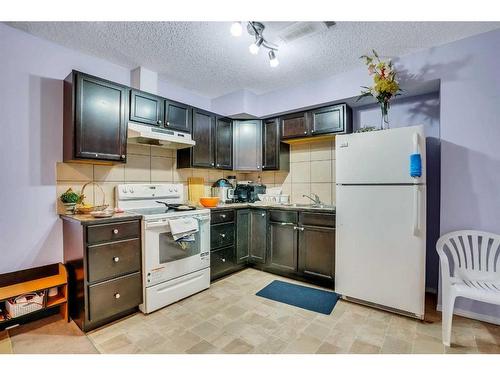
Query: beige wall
point(311, 171)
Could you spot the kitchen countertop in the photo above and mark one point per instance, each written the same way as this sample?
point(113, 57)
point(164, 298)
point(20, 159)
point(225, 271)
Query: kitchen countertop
point(87, 219)
point(268, 206)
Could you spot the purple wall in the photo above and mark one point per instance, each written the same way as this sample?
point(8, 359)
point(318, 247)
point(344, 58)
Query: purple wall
point(31, 74)
point(469, 128)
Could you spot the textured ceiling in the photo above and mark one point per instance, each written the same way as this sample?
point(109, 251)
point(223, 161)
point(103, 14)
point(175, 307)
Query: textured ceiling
point(205, 58)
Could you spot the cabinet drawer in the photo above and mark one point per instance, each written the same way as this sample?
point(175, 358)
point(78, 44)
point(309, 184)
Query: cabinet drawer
point(222, 261)
point(113, 231)
point(221, 235)
point(115, 296)
point(221, 216)
point(316, 218)
point(282, 216)
point(109, 260)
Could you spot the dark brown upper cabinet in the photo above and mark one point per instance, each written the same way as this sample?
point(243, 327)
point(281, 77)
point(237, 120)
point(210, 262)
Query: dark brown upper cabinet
point(95, 119)
point(275, 154)
point(203, 134)
point(333, 119)
point(294, 125)
point(223, 143)
point(177, 116)
point(146, 108)
point(202, 155)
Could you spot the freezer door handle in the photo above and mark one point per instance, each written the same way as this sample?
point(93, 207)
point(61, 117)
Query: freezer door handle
point(416, 210)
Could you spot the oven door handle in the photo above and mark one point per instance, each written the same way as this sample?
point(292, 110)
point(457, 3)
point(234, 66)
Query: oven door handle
point(156, 224)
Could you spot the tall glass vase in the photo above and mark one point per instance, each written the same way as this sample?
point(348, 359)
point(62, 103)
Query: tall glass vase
point(384, 107)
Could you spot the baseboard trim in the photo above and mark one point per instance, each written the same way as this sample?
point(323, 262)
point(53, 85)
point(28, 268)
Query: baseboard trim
point(473, 315)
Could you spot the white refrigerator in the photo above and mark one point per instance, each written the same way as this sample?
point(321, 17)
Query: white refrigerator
point(381, 217)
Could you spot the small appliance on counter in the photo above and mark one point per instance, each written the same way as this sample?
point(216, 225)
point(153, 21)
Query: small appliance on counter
point(223, 190)
point(232, 180)
point(247, 191)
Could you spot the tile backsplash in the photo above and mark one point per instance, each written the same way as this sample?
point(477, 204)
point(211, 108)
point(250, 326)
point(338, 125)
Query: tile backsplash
point(312, 170)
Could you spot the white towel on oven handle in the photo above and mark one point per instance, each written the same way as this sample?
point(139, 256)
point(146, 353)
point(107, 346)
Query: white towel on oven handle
point(183, 227)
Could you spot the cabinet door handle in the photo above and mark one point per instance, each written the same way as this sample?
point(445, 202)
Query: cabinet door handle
point(123, 156)
point(223, 235)
point(218, 165)
point(117, 295)
point(116, 259)
point(115, 231)
point(300, 228)
point(212, 164)
point(258, 167)
point(168, 123)
point(262, 215)
point(223, 216)
point(305, 132)
point(158, 122)
point(223, 260)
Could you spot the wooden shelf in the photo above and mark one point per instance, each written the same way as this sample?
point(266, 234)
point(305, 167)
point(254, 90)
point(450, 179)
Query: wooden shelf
point(56, 300)
point(15, 290)
point(60, 300)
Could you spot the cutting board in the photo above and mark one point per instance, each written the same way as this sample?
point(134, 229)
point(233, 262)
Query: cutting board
point(196, 189)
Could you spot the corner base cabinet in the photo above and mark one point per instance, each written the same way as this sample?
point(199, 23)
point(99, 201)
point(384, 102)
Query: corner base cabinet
point(103, 259)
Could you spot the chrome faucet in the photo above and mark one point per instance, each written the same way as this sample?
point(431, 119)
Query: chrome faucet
point(316, 199)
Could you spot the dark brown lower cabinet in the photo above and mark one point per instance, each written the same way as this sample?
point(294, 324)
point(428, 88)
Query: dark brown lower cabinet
point(103, 259)
point(317, 252)
point(242, 235)
point(283, 246)
point(223, 258)
point(295, 244)
point(258, 241)
point(222, 262)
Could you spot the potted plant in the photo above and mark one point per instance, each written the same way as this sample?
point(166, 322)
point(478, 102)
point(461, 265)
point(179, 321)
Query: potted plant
point(69, 199)
point(385, 86)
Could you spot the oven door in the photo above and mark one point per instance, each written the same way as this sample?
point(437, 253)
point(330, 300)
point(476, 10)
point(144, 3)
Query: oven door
point(165, 259)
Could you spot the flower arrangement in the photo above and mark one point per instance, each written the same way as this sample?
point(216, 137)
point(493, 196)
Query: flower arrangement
point(385, 87)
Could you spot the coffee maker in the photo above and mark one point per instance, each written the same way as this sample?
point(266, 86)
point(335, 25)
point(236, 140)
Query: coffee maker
point(223, 190)
point(248, 192)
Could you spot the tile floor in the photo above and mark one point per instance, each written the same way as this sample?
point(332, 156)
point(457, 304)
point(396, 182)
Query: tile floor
point(229, 318)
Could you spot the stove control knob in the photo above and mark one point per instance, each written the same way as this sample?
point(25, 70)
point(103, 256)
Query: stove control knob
point(131, 189)
point(170, 190)
point(124, 190)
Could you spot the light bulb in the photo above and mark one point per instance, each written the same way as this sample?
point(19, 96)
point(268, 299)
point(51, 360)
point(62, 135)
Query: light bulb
point(254, 47)
point(273, 60)
point(236, 29)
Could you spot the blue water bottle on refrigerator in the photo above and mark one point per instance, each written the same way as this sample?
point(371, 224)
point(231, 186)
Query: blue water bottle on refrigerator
point(415, 159)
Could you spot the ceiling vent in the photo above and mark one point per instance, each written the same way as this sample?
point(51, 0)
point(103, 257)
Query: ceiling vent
point(299, 30)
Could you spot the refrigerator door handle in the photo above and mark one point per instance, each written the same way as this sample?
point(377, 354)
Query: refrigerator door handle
point(416, 210)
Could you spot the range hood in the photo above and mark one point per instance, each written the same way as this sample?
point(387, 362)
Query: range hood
point(157, 136)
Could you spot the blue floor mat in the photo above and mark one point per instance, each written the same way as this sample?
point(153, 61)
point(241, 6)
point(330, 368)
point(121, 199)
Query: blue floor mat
point(313, 299)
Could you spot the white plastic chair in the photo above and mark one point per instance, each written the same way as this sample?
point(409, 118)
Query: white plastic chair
point(470, 268)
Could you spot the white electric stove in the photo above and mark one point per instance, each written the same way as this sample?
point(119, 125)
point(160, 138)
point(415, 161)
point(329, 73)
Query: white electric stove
point(170, 272)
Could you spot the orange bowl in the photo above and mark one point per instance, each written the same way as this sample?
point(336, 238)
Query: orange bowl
point(209, 201)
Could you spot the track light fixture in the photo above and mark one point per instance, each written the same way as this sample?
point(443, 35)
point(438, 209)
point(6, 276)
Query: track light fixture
point(256, 30)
